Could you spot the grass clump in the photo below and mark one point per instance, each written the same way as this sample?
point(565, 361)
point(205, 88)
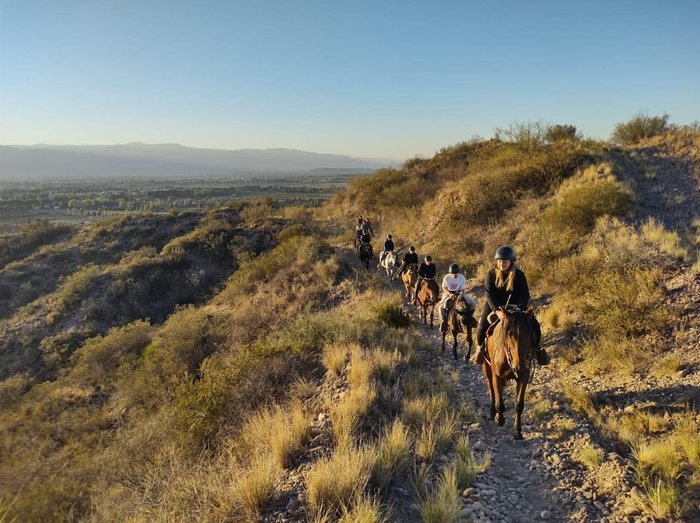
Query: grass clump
point(443, 505)
point(334, 357)
point(668, 242)
point(254, 487)
point(668, 366)
point(589, 456)
point(392, 315)
point(334, 482)
point(276, 431)
point(393, 453)
point(465, 465)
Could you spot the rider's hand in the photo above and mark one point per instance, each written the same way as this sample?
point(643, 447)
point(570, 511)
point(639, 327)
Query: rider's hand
point(501, 315)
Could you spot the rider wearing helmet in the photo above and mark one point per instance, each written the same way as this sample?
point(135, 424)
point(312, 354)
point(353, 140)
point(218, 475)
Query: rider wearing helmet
point(410, 258)
point(426, 272)
point(388, 247)
point(506, 284)
point(452, 285)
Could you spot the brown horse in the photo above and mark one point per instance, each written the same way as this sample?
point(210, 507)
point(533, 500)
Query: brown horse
point(428, 297)
point(510, 355)
point(460, 318)
point(409, 277)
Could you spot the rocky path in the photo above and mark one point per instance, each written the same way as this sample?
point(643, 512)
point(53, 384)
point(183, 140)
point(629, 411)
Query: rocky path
point(516, 488)
point(540, 477)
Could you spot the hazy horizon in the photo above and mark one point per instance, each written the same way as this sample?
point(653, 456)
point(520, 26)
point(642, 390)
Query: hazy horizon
point(391, 80)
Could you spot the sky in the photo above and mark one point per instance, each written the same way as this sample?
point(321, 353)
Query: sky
point(371, 79)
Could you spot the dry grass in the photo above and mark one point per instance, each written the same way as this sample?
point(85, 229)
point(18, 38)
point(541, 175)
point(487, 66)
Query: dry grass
point(276, 431)
point(334, 482)
point(668, 242)
point(589, 456)
point(465, 465)
point(443, 505)
point(541, 409)
point(425, 410)
point(668, 366)
point(436, 436)
point(254, 486)
point(347, 414)
point(660, 500)
point(334, 358)
point(364, 510)
point(393, 453)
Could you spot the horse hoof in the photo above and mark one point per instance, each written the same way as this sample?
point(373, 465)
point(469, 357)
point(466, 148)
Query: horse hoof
point(517, 436)
point(500, 420)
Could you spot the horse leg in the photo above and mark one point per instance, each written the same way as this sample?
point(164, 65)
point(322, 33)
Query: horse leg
point(519, 406)
point(470, 344)
point(432, 313)
point(454, 345)
point(489, 387)
point(498, 384)
point(444, 334)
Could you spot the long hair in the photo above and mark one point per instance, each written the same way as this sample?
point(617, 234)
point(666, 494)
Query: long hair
point(506, 279)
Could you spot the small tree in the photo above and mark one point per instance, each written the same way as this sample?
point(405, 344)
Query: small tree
point(557, 133)
point(640, 127)
point(527, 136)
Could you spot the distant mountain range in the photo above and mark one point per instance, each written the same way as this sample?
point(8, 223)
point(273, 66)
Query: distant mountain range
point(35, 162)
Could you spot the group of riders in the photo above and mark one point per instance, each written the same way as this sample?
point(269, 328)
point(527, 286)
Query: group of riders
point(506, 288)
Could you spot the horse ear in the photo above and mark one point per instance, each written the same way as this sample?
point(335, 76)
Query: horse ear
point(531, 311)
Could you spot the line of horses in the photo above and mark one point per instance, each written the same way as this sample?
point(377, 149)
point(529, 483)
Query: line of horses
point(509, 345)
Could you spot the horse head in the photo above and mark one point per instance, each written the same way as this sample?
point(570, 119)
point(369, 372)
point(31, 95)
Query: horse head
point(516, 339)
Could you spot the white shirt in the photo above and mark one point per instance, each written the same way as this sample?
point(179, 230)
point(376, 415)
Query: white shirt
point(454, 282)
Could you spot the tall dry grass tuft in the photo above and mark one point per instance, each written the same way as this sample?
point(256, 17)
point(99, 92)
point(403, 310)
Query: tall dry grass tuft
point(443, 505)
point(254, 486)
point(334, 482)
point(276, 431)
point(334, 358)
point(393, 453)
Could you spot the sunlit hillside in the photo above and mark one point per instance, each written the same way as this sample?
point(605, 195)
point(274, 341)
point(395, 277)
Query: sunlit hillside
point(239, 364)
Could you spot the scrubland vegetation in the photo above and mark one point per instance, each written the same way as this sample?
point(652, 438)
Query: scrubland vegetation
point(181, 366)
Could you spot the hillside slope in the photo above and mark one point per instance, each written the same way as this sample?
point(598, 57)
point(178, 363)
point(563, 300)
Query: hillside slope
point(239, 365)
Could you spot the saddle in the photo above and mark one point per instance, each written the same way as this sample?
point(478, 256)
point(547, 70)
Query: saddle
point(493, 320)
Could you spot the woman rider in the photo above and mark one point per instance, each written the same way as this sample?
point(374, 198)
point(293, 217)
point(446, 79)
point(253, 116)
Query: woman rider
point(506, 284)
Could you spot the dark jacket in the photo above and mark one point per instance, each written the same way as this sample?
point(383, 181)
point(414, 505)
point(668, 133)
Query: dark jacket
point(410, 257)
point(427, 271)
point(498, 297)
point(388, 245)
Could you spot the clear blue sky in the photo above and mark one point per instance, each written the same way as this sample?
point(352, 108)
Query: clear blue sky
point(367, 78)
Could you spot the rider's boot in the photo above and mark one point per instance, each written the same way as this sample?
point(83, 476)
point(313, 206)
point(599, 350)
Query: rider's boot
point(478, 357)
point(542, 356)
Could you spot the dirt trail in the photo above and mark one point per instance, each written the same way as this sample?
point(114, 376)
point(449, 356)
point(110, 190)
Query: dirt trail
point(516, 488)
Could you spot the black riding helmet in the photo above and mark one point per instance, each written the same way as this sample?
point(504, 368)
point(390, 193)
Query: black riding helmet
point(428, 258)
point(505, 253)
point(454, 268)
point(412, 248)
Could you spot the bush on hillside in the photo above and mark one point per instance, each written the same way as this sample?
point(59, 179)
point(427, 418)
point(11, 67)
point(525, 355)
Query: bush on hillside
point(640, 127)
point(529, 137)
point(559, 132)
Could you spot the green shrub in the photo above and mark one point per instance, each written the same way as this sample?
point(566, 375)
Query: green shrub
point(392, 315)
point(638, 128)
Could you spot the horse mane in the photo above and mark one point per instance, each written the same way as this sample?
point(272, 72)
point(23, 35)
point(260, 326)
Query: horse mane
point(514, 325)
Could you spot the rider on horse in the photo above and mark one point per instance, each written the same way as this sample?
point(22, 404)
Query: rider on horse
point(410, 258)
point(426, 271)
point(388, 247)
point(506, 285)
point(453, 284)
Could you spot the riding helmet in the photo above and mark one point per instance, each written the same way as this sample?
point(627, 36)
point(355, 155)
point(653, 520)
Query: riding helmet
point(505, 253)
point(428, 258)
point(454, 268)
